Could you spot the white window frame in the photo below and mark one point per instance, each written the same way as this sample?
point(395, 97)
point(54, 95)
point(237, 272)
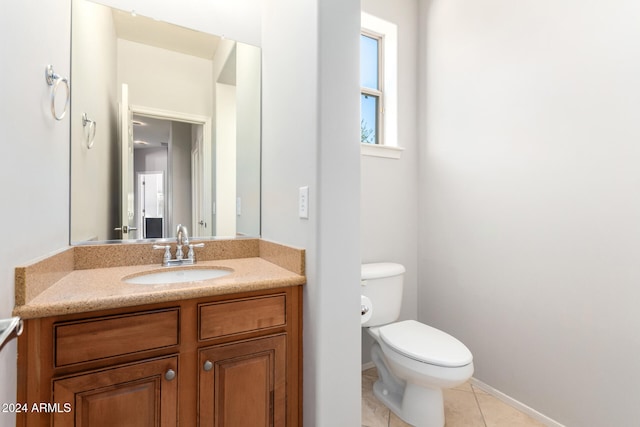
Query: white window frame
point(388, 69)
point(379, 91)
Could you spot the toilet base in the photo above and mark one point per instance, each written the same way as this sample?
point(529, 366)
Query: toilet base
point(417, 405)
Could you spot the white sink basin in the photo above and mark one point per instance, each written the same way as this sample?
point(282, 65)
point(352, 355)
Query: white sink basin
point(177, 276)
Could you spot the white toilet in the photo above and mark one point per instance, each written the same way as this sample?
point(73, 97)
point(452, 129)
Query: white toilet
point(414, 361)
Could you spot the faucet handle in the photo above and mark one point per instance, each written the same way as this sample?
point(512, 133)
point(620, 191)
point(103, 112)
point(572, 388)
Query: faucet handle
point(192, 255)
point(167, 252)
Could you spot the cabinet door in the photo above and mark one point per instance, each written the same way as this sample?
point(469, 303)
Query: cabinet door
point(137, 395)
point(243, 384)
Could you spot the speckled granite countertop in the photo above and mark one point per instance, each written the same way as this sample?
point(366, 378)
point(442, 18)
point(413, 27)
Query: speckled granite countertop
point(55, 285)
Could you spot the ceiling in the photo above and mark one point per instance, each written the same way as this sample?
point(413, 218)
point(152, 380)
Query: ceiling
point(154, 132)
point(160, 34)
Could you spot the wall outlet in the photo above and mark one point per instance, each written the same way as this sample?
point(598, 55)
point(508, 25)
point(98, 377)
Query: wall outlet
point(239, 206)
point(303, 202)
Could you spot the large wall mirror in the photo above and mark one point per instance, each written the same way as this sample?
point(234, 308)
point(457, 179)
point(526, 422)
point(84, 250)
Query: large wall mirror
point(165, 129)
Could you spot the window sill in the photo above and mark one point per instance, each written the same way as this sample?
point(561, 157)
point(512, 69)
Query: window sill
point(385, 151)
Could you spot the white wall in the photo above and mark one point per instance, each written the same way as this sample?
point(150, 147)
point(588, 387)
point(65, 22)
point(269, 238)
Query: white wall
point(248, 138)
point(34, 149)
point(310, 133)
point(389, 206)
point(95, 93)
point(163, 79)
point(530, 209)
point(225, 160)
point(223, 215)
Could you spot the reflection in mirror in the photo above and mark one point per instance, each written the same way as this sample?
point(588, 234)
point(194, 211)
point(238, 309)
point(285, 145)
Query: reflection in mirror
point(177, 129)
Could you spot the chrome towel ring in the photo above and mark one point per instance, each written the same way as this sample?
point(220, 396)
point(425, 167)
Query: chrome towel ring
point(10, 328)
point(54, 80)
point(89, 127)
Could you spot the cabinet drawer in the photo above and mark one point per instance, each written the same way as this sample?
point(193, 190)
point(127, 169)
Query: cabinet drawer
point(234, 317)
point(86, 340)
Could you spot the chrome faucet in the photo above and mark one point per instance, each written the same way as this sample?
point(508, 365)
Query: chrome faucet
point(182, 235)
point(182, 239)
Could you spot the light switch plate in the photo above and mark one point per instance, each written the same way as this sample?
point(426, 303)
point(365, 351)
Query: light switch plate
point(303, 202)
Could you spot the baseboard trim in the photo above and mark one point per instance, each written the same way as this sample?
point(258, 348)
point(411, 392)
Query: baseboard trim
point(515, 403)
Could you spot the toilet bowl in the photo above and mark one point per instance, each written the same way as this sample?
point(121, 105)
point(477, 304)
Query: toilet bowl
point(414, 361)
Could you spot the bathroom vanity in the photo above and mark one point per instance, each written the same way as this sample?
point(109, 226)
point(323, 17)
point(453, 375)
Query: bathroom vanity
point(99, 349)
point(224, 352)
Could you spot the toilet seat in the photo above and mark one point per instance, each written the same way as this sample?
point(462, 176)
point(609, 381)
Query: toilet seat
point(425, 344)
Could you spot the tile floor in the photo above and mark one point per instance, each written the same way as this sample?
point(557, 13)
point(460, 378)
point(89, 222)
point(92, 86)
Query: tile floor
point(464, 406)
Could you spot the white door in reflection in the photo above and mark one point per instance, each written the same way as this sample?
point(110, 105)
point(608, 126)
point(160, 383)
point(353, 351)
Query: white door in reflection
point(127, 210)
point(199, 218)
point(151, 207)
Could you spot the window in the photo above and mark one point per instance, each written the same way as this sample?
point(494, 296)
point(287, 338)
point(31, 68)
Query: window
point(379, 88)
point(371, 84)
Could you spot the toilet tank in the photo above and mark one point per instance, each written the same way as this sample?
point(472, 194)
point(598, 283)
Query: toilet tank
point(382, 284)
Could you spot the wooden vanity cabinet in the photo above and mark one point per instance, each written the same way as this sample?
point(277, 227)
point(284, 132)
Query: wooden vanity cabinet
point(244, 384)
point(225, 361)
point(138, 394)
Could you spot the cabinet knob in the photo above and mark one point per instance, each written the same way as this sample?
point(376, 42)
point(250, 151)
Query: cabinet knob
point(208, 365)
point(170, 374)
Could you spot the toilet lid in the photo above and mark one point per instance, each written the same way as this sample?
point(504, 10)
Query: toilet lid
point(425, 344)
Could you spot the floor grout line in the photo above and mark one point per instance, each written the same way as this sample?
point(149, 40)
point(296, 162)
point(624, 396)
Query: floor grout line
point(475, 396)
